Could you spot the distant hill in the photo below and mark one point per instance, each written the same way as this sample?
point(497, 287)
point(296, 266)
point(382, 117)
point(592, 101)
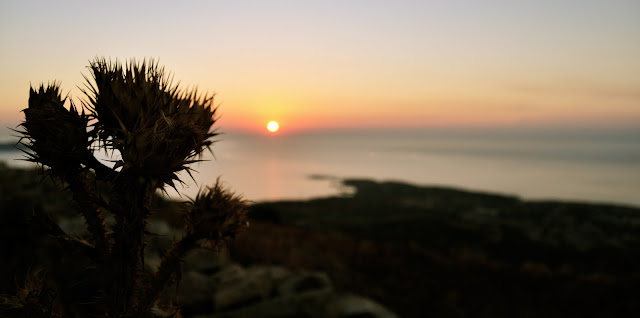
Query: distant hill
point(448, 219)
point(455, 253)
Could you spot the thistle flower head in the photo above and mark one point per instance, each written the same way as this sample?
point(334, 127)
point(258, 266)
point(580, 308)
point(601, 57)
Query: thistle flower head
point(56, 136)
point(157, 128)
point(217, 215)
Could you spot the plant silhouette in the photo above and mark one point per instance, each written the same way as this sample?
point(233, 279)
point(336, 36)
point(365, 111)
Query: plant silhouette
point(158, 130)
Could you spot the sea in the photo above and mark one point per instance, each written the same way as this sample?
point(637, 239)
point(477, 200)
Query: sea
point(586, 165)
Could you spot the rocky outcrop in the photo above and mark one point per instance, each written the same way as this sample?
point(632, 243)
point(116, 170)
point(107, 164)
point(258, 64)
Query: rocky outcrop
point(228, 290)
point(213, 286)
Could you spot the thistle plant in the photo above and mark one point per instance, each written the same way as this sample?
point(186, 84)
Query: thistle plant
point(156, 130)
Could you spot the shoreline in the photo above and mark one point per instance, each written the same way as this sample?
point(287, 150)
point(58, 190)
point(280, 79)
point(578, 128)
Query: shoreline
point(345, 187)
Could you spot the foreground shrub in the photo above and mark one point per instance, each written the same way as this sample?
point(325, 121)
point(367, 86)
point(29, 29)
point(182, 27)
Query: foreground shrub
point(156, 131)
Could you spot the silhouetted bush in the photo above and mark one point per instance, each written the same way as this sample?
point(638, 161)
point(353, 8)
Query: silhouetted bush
point(155, 130)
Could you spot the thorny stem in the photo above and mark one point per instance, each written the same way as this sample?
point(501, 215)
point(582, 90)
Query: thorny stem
point(52, 228)
point(102, 172)
point(90, 210)
point(131, 207)
point(164, 275)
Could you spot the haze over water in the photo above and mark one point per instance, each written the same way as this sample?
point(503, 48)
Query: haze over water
point(582, 165)
point(368, 66)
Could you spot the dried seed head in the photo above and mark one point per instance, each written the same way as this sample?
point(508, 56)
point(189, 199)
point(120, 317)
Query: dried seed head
point(217, 215)
point(157, 128)
point(56, 136)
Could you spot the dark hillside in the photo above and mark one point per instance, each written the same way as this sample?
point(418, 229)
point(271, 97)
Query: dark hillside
point(418, 250)
point(459, 253)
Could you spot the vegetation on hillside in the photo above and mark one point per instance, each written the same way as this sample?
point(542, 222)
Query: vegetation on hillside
point(486, 256)
point(452, 253)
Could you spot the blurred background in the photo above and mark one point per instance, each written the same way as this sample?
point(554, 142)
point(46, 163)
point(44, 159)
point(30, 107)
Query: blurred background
point(441, 141)
point(535, 99)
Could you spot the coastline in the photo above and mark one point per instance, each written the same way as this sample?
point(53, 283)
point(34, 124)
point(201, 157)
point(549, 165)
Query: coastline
point(580, 165)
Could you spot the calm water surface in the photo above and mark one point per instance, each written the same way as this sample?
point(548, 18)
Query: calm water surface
point(566, 165)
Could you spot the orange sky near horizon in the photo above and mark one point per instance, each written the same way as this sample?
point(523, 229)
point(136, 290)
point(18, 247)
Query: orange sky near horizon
point(336, 64)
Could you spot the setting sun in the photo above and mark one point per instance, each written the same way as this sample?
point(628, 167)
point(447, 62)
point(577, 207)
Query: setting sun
point(273, 126)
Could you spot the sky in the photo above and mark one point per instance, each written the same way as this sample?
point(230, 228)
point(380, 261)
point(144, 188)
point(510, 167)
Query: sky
point(322, 65)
